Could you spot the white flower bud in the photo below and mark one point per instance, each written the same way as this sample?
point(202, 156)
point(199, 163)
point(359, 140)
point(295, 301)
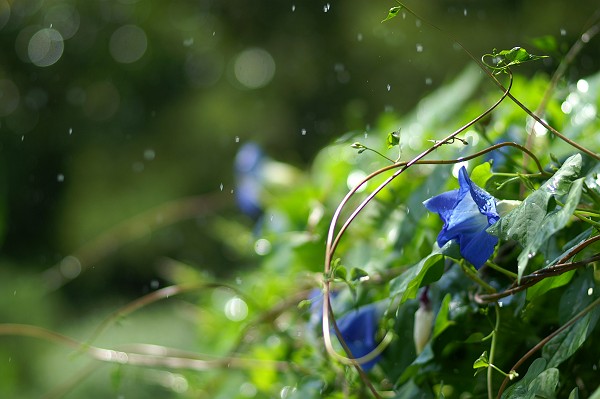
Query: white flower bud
point(422, 328)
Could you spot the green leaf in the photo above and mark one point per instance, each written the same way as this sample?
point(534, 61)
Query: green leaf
point(482, 361)
point(393, 13)
point(564, 345)
point(481, 174)
point(546, 43)
point(340, 272)
point(596, 394)
point(357, 273)
point(532, 222)
point(393, 139)
point(548, 284)
point(427, 271)
point(574, 393)
point(518, 55)
point(441, 321)
point(538, 382)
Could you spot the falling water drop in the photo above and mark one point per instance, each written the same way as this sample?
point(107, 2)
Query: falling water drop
point(419, 48)
point(293, 7)
point(70, 131)
point(221, 186)
point(303, 132)
point(237, 139)
point(389, 87)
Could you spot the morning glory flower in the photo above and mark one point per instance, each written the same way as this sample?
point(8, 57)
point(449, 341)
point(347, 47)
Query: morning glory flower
point(358, 326)
point(249, 173)
point(467, 212)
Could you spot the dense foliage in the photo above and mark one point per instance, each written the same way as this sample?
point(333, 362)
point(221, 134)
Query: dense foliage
point(447, 252)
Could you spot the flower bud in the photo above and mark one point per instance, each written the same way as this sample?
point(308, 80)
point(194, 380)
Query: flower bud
point(422, 327)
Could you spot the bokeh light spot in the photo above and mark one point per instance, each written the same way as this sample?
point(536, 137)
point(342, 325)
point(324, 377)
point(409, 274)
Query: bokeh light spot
point(236, 309)
point(64, 18)
point(45, 47)
point(254, 68)
point(128, 44)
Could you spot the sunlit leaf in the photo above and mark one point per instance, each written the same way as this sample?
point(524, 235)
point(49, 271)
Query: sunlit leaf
point(532, 222)
point(482, 361)
point(481, 174)
point(357, 273)
point(441, 321)
point(393, 139)
point(427, 271)
point(392, 13)
point(518, 55)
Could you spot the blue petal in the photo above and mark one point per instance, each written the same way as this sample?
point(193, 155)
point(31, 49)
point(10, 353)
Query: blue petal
point(478, 247)
point(443, 204)
point(358, 328)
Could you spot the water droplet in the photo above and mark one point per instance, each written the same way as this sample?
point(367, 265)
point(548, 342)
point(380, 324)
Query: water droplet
point(428, 81)
point(359, 37)
point(326, 7)
point(221, 186)
point(188, 42)
point(590, 291)
point(293, 7)
point(389, 87)
point(419, 48)
point(465, 12)
point(563, 32)
point(237, 139)
point(303, 132)
point(154, 284)
point(530, 255)
point(70, 131)
point(60, 178)
point(23, 138)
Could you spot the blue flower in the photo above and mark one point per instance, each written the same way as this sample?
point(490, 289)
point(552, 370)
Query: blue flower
point(249, 170)
point(358, 328)
point(467, 213)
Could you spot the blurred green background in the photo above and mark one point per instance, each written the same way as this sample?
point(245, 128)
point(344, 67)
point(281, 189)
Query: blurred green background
point(120, 121)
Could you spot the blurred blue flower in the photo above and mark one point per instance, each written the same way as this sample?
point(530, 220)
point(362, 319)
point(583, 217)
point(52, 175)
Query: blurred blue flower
point(467, 212)
point(249, 170)
point(358, 328)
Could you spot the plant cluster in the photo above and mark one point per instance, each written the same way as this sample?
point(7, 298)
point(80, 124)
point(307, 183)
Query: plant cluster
point(462, 266)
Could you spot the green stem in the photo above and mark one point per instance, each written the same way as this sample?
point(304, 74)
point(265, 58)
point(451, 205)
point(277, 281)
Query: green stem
point(492, 352)
point(473, 276)
point(380, 154)
point(579, 215)
point(502, 270)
